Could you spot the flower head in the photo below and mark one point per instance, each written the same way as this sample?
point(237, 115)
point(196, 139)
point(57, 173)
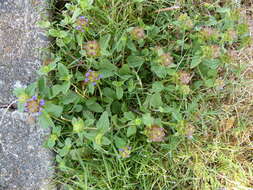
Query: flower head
point(82, 23)
point(92, 48)
point(92, 77)
point(184, 77)
point(155, 133)
point(138, 33)
point(213, 51)
point(166, 59)
point(34, 105)
point(208, 33)
point(125, 152)
point(185, 22)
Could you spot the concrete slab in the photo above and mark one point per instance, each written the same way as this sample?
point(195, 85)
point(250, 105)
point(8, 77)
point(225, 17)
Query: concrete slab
point(24, 163)
point(20, 41)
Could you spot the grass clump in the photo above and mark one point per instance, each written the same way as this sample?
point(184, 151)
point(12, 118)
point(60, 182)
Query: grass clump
point(138, 95)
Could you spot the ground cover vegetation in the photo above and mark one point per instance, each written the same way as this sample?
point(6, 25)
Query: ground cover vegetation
point(146, 94)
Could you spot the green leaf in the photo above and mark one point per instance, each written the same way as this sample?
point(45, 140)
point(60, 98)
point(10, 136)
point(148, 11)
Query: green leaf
point(119, 92)
point(44, 70)
point(45, 120)
point(53, 109)
point(105, 141)
point(53, 32)
point(147, 119)
point(63, 72)
point(65, 87)
point(51, 141)
point(119, 142)
point(104, 41)
point(56, 89)
point(103, 123)
point(131, 131)
point(78, 125)
point(85, 4)
point(70, 97)
point(157, 87)
point(94, 106)
point(135, 61)
point(43, 88)
point(159, 70)
point(196, 60)
point(156, 100)
point(129, 116)
point(98, 138)
point(44, 24)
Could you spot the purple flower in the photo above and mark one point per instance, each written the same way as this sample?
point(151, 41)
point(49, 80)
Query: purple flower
point(34, 98)
point(82, 23)
point(42, 102)
point(34, 105)
point(92, 77)
point(125, 152)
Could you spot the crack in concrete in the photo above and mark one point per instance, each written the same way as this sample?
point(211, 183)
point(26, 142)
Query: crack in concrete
point(10, 107)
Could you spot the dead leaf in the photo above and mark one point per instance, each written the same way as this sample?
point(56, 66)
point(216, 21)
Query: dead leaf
point(229, 124)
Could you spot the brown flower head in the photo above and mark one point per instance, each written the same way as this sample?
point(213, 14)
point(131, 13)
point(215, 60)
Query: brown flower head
point(155, 133)
point(92, 48)
point(208, 33)
point(184, 77)
point(215, 51)
point(166, 59)
point(138, 33)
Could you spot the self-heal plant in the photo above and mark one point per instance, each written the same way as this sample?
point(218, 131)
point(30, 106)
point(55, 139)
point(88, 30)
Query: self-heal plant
point(184, 77)
point(138, 33)
point(148, 54)
point(92, 77)
point(125, 152)
point(166, 59)
point(82, 23)
point(92, 48)
point(34, 106)
point(155, 133)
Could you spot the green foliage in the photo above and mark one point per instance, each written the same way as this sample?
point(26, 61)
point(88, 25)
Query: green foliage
point(140, 86)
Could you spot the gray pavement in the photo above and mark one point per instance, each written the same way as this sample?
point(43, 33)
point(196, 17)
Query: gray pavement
point(24, 163)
